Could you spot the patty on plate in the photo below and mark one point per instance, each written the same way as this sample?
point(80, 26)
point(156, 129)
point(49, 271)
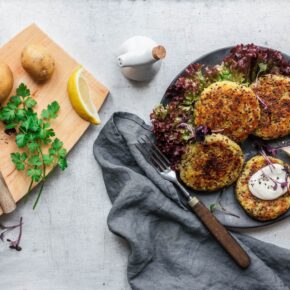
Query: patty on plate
point(228, 106)
point(212, 164)
point(260, 209)
point(274, 93)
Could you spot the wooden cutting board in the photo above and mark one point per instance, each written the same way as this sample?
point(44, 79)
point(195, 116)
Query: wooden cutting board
point(69, 127)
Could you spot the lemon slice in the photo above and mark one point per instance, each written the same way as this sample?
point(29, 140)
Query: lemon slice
point(79, 94)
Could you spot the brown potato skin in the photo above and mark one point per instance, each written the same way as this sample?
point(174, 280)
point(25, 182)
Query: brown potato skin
point(38, 62)
point(6, 81)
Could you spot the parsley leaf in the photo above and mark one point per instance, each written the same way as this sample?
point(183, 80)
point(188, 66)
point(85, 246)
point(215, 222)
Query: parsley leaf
point(10, 126)
point(62, 152)
point(21, 140)
point(34, 160)
point(45, 135)
point(20, 114)
point(62, 163)
point(31, 124)
point(45, 114)
point(7, 114)
point(15, 100)
point(47, 159)
point(35, 174)
point(51, 111)
point(18, 159)
point(22, 91)
point(32, 147)
point(56, 144)
point(29, 102)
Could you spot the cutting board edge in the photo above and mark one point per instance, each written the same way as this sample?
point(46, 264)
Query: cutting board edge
point(102, 92)
point(7, 200)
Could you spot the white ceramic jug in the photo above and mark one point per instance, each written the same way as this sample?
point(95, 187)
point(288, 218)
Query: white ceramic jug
point(140, 58)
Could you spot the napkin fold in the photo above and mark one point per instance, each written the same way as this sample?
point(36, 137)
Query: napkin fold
point(170, 247)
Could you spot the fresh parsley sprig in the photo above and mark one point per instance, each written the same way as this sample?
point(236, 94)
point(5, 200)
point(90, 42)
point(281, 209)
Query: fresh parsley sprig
point(34, 135)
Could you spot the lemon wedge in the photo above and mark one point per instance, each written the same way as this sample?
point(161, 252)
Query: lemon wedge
point(79, 94)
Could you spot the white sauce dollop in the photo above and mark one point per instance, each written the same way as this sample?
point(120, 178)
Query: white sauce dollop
point(267, 183)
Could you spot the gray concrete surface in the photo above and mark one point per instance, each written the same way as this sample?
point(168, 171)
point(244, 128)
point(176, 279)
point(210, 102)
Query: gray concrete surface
point(66, 243)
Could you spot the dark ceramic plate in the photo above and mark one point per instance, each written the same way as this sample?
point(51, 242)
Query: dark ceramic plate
point(227, 197)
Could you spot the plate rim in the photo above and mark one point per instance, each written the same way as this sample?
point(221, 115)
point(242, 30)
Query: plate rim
point(162, 101)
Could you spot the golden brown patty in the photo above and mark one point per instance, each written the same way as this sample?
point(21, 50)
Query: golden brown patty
point(257, 208)
point(228, 106)
point(274, 90)
point(213, 164)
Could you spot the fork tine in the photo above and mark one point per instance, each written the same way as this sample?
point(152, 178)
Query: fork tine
point(154, 162)
point(149, 157)
point(155, 155)
point(158, 150)
point(143, 152)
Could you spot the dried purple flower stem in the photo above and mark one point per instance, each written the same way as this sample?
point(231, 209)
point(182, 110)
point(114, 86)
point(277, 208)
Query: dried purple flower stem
point(268, 149)
point(276, 182)
point(262, 102)
point(13, 244)
point(263, 153)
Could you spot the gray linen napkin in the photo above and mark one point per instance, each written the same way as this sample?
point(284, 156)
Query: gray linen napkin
point(170, 248)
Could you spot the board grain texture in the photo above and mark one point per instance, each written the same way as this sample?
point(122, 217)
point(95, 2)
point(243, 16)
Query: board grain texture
point(69, 127)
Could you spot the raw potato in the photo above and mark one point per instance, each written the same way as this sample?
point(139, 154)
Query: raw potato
point(6, 81)
point(38, 62)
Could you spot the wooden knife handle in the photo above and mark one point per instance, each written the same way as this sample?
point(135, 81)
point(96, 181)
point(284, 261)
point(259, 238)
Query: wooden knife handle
point(220, 233)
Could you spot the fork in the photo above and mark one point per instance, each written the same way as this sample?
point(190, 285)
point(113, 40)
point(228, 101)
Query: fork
point(162, 165)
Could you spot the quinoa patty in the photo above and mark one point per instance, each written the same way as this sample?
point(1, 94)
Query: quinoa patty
point(274, 92)
point(257, 208)
point(212, 164)
point(229, 106)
